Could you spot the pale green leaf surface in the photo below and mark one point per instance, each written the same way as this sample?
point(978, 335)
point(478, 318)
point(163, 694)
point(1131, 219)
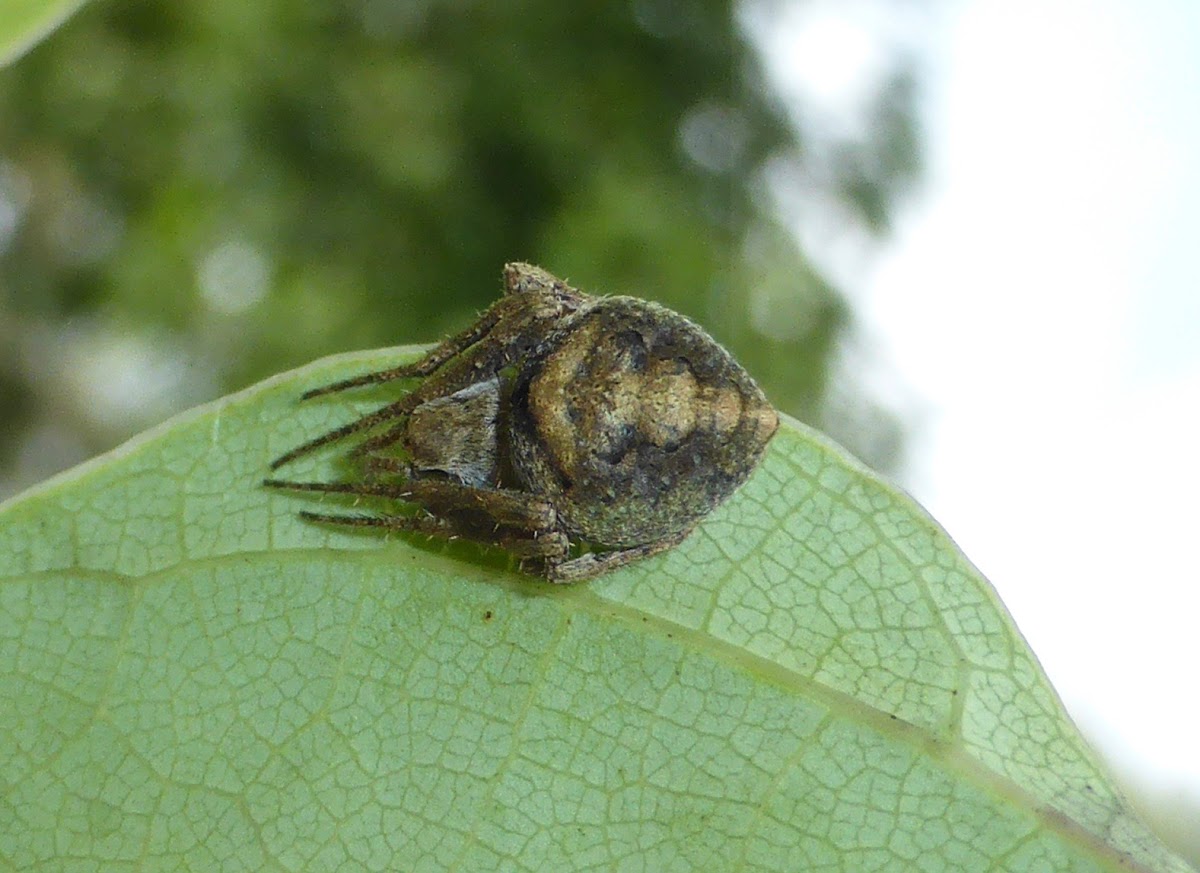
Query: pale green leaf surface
point(816, 680)
point(24, 22)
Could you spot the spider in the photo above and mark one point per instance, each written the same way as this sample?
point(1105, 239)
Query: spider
point(578, 433)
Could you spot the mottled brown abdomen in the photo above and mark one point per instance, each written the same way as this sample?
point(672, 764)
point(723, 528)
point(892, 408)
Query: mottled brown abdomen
point(638, 423)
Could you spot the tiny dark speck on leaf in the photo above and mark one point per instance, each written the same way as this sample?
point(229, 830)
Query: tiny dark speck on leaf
point(487, 616)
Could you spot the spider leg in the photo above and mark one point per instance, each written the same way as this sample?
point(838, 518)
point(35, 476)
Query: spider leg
point(503, 507)
point(553, 546)
point(401, 407)
point(373, 465)
point(595, 563)
point(380, 441)
point(433, 527)
point(366, 489)
point(433, 359)
point(504, 333)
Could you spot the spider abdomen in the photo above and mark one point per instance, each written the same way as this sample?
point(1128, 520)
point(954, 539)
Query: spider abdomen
point(637, 422)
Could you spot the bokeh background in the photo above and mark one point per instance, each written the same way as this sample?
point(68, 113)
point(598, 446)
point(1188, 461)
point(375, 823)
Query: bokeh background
point(202, 194)
point(958, 235)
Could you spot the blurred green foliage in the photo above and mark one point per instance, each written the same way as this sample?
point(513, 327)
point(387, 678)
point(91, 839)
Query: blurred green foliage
point(201, 194)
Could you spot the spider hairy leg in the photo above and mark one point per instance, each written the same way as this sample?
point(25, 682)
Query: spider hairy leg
point(513, 509)
point(596, 563)
point(432, 360)
point(519, 278)
point(401, 407)
point(512, 325)
point(433, 527)
point(551, 547)
point(365, 489)
point(505, 507)
point(374, 465)
point(389, 437)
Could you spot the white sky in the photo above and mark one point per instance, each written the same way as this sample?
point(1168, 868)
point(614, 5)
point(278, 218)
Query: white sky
point(1043, 300)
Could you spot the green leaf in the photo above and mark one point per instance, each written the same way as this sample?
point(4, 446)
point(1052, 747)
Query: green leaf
point(816, 680)
point(24, 22)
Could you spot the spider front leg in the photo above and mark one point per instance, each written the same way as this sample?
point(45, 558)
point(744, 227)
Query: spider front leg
point(433, 359)
point(519, 523)
point(551, 546)
point(519, 278)
point(399, 409)
point(493, 507)
point(507, 331)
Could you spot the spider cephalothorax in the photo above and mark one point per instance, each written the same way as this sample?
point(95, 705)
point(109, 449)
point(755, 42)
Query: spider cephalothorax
point(558, 419)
